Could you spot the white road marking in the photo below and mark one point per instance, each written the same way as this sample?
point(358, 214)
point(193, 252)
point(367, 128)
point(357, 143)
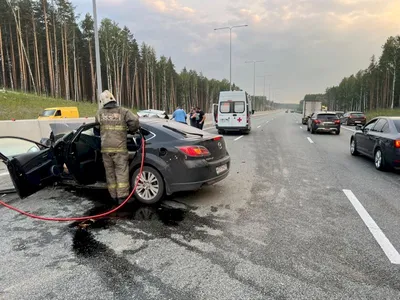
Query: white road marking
point(310, 140)
point(4, 174)
point(259, 126)
point(238, 138)
point(379, 236)
point(352, 130)
point(301, 127)
point(267, 122)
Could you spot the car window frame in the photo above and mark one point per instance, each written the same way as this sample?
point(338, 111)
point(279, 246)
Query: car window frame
point(230, 107)
point(374, 121)
point(234, 107)
point(382, 120)
point(386, 127)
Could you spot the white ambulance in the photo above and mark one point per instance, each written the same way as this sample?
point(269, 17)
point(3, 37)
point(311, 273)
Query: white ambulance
point(233, 112)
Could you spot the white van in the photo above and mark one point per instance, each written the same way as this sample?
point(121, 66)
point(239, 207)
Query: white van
point(233, 112)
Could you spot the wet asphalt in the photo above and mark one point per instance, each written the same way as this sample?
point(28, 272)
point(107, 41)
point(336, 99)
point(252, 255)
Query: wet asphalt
point(279, 227)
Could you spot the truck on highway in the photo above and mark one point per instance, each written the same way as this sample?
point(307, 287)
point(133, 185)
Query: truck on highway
point(310, 106)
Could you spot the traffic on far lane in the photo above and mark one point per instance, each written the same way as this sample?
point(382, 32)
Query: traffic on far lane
point(323, 122)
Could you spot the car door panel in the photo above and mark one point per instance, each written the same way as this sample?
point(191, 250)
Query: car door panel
point(84, 159)
point(31, 165)
point(33, 171)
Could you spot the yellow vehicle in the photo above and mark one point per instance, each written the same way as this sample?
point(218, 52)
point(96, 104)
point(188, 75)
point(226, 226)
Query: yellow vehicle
point(59, 113)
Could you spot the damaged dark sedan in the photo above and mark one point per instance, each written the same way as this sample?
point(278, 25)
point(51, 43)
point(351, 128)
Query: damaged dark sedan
point(178, 158)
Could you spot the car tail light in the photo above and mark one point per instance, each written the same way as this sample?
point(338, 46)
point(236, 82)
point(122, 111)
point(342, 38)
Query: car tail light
point(397, 144)
point(217, 138)
point(337, 121)
point(194, 151)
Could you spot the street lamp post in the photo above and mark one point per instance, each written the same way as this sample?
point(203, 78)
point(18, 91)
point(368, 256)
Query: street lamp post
point(254, 80)
point(230, 49)
point(265, 77)
point(97, 53)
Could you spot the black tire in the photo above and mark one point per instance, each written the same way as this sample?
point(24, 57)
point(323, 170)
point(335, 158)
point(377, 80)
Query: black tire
point(220, 131)
point(246, 131)
point(353, 149)
point(382, 165)
point(140, 193)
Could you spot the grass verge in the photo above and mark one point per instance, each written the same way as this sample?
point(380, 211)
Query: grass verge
point(28, 106)
point(382, 112)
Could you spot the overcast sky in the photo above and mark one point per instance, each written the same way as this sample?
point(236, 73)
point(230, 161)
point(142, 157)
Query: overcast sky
point(307, 45)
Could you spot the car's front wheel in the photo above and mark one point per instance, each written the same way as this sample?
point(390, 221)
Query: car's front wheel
point(150, 188)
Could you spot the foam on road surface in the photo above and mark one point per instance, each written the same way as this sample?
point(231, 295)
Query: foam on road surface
point(279, 227)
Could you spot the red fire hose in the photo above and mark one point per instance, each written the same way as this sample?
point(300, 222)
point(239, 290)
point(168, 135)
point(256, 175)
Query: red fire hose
point(87, 217)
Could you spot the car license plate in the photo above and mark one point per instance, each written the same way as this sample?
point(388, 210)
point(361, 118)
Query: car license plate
point(221, 169)
point(358, 121)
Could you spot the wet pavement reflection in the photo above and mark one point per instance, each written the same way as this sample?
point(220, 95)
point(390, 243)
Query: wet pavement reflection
point(166, 213)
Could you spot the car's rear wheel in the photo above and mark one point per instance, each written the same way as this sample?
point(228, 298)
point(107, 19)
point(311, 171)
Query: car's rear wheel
point(220, 131)
point(150, 188)
point(379, 159)
point(353, 147)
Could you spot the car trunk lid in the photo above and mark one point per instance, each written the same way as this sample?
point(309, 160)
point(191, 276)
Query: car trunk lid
point(215, 145)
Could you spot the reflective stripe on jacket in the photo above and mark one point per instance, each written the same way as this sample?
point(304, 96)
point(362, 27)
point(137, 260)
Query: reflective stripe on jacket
point(115, 122)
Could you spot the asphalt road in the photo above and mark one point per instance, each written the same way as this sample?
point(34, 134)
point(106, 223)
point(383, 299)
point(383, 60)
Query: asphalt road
point(290, 222)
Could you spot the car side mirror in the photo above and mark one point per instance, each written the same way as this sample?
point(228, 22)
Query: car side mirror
point(45, 141)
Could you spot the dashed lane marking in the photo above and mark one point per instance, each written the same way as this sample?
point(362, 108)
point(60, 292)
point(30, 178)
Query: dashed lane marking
point(258, 126)
point(310, 140)
point(387, 247)
point(238, 138)
point(301, 127)
point(352, 130)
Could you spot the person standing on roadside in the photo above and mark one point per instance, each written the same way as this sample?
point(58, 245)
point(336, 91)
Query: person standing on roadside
point(202, 118)
point(115, 122)
point(193, 117)
point(179, 115)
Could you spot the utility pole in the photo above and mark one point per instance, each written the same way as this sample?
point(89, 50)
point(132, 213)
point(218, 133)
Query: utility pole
point(230, 49)
point(97, 50)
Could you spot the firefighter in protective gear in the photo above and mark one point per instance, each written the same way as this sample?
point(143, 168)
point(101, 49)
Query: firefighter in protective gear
point(115, 122)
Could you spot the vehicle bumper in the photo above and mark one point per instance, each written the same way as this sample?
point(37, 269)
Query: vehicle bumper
point(200, 173)
point(327, 129)
point(356, 122)
point(233, 128)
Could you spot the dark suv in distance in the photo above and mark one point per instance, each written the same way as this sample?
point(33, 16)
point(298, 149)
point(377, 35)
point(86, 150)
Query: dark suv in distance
point(353, 118)
point(324, 122)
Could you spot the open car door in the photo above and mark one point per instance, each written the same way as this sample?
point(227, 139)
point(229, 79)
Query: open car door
point(84, 159)
point(32, 166)
point(215, 114)
point(83, 156)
